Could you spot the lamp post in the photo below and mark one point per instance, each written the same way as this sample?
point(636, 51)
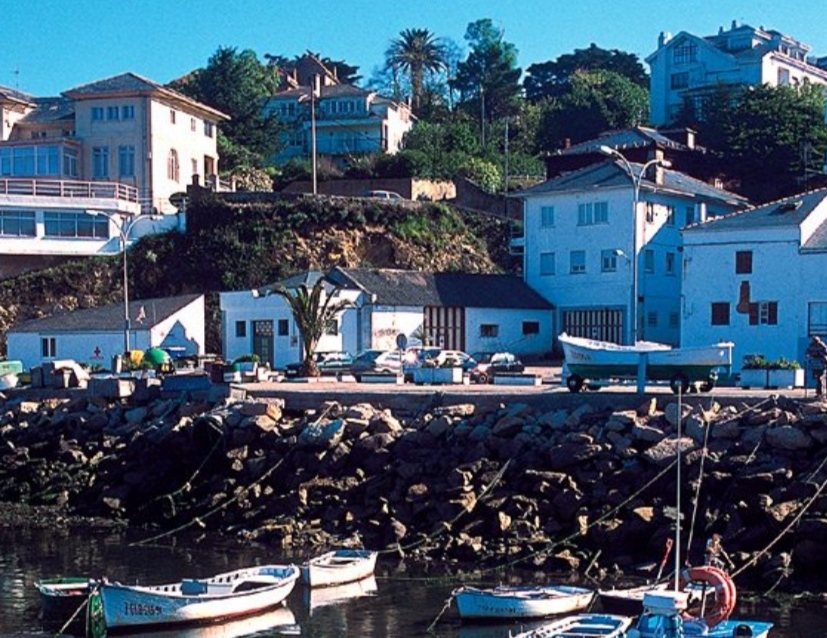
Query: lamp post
point(635, 257)
point(123, 230)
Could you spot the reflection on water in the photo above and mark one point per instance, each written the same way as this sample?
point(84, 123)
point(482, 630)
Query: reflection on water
point(402, 601)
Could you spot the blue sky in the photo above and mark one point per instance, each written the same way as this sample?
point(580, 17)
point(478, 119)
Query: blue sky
point(49, 46)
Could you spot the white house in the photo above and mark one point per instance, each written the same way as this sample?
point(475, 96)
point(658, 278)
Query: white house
point(348, 120)
point(93, 336)
point(118, 147)
point(579, 243)
point(457, 311)
point(689, 68)
point(756, 278)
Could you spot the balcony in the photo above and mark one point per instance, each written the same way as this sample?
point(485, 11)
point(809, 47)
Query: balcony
point(68, 189)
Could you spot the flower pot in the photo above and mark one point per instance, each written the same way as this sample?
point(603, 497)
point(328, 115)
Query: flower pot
point(437, 375)
point(785, 378)
point(754, 378)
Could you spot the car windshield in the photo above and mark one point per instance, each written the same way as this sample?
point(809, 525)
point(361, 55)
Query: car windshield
point(369, 355)
point(483, 357)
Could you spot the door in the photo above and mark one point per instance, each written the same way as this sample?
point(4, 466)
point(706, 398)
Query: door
point(603, 324)
point(445, 327)
point(263, 341)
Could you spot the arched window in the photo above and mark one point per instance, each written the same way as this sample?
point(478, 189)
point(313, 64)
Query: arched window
point(173, 166)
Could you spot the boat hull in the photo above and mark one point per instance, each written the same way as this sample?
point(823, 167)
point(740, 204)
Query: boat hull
point(62, 598)
point(225, 596)
point(582, 625)
point(521, 602)
point(339, 567)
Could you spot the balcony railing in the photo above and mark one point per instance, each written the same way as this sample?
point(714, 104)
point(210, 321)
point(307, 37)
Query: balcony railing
point(70, 189)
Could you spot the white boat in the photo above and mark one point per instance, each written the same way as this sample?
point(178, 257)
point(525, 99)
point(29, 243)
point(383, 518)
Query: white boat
point(626, 601)
point(582, 626)
point(521, 602)
point(339, 567)
point(589, 359)
point(278, 621)
point(191, 601)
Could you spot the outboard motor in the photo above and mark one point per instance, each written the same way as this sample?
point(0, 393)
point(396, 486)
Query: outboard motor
point(742, 631)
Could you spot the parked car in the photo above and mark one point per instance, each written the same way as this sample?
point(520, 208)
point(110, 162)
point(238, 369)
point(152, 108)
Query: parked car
point(456, 357)
point(376, 362)
point(379, 194)
point(329, 363)
point(489, 364)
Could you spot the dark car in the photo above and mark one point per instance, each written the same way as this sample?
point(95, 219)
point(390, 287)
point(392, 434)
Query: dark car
point(376, 362)
point(329, 364)
point(490, 364)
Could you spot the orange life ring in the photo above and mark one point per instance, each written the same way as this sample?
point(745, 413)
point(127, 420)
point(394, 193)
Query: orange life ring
point(719, 580)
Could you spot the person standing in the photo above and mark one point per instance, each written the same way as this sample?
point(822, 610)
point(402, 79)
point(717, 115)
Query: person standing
point(817, 354)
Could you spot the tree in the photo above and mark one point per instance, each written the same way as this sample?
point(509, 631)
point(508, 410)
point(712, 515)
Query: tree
point(488, 79)
point(595, 101)
point(552, 79)
point(416, 52)
point(313, 311)
point(237, 84)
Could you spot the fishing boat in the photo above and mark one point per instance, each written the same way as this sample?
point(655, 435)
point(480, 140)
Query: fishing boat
point(590, 360)
point(520, 602)
point(339, 567)
point(192, 601)
point(582, 626)
point(626, 601)
point(62, 599)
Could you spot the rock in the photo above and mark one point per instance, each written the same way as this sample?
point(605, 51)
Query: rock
point(673, 416)
point(458, 410)
point(666, 450)
point(646, 433)
point(787, 437)
point(508, 426)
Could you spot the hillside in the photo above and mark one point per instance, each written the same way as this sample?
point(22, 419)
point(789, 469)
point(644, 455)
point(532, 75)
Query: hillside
point(241, 246)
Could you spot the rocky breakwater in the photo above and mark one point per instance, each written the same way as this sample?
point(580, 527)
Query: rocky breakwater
point(576, 489)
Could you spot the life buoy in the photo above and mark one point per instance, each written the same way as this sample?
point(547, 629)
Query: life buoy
point(725, 596)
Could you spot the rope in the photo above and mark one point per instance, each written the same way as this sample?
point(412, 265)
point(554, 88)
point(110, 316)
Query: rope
point(442, 611)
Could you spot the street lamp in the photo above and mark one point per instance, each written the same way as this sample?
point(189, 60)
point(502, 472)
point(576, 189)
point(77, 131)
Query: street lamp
point(123, 231)
point(636, 179)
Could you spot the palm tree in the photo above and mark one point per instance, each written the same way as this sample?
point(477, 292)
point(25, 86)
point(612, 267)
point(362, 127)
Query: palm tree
point(312, 311)
point(414, 52)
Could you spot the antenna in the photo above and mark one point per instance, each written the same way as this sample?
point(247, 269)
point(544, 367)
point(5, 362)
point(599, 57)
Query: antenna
point(16, 74)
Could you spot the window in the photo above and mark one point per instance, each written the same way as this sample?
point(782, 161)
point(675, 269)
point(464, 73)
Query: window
point(209, 128)
point(75, 225)
point(126, 161)
point(577, 261)
point(97, 113)
point(241, 329)
point(763, 313)
point(546, 216)
point(743, 262)
point(679, 81)
point(650, 212)
point(547, 266)
point(48, 347)
point(670, 215)
point(284, 327)
point(670, 263)
point(685, 52)
point(192, 124)
point(100, 162)
point(489, 330)
point(601, 212)
point(194, 167)
point(652, 319)
point(127, 112)
point(783, 77)
point(531, 328)
point(608, 260)
point(70, 162)
point(173, 167)
point(592, 213)
point(113, 113)
point(172, 116)
point(690, 215)
point(332, 327)
point(17, 223)
point(720, 313)
point(674, 320)
point(649, 260)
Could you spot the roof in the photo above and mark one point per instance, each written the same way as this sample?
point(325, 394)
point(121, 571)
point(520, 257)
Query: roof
point(131, 83)
point(636, 137)
point(787, 212)
point(466, 290)
point(110, 318)
point(13, 95)
point(611, 174)
point(50, 109)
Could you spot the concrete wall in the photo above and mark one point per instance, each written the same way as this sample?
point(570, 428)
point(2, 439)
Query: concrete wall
point(510, 328)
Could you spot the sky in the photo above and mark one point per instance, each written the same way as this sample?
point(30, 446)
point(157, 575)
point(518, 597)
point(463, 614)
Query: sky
point(50, 46)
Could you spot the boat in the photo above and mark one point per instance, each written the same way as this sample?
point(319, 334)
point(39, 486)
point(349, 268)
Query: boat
point(520, 602)
point(582, 626)
point(338, 567)
point(317, 597)
point(192, 601)
point(588, 360)
point(279, 621)
point(626, 601)
point(63, 599)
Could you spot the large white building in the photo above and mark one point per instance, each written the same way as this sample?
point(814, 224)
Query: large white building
point(118, 147)
point(579, 243)
point(756, 278)
point(688, 68)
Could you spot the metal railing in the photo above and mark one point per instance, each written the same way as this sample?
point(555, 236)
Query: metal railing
point(64, 188)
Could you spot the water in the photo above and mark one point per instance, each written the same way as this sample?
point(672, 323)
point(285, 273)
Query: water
point(404, 601)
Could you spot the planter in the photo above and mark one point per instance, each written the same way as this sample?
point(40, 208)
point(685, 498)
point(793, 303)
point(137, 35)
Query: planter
point(785, 378)
point(396, 379)
point(754, 378)
point(518, 379)
point(437, 375)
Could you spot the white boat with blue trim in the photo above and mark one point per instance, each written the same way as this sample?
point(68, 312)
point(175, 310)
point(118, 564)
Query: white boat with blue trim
point(521, 602)
point(339, 567)
point(582, 626)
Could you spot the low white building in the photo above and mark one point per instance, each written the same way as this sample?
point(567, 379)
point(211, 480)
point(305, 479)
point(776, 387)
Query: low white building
point(756, 278)
point(93, 336)
point(456, 311)
point(580, 241)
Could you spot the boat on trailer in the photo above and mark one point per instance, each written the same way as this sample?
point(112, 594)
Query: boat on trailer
point(521, 602)
point(339, 567)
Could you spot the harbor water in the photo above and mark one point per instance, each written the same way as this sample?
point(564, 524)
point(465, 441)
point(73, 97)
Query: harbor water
point(402, 601)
